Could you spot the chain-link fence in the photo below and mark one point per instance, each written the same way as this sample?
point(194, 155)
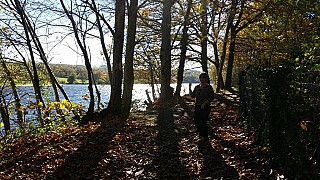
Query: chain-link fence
point(284, 114)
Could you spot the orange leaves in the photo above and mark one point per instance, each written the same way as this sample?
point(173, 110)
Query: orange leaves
point(140, 148)
point(116, 137)
point(304, 125)
point(85, 97)
point(42, 154)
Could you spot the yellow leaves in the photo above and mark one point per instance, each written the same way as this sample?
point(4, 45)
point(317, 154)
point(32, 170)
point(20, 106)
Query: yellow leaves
point(67, 104)
point(64, 104)
point(1, 124)
point(40, 104)
point(304, 125)
point(146, 12)
point(32, 105)
point(197, 7)
point(21, 108)
point(64, 101)
point(116, 137)
point(58, 105)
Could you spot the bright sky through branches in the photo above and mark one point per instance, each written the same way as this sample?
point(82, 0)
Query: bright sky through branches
point(69, 53)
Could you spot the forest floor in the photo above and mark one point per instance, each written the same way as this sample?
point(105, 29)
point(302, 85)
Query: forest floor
point(147, 145)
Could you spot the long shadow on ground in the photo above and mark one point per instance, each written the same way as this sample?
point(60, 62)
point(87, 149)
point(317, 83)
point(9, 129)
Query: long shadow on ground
point(167, 161)
point(234, 142)
point(214, 166)
point(199, 156)
point(81, 164)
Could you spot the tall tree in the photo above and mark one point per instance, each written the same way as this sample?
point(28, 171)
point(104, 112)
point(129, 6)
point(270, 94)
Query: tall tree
point(17, 100)
point(204, 35)
point(233, 26)
point(54, 82)
point(165, 52)
point(243, 16)
point(4, 113)
point(128, 68)
point(81, 44)
point(118, 39)
point(184, 43)
point(35, 80)
point(99, 25)
point(231, 14)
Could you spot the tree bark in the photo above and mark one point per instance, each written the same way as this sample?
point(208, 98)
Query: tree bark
point(128, 68)
point(35, 80)
point(232, 46)
point(17, 100)
point(204, 36)
point(89, 114)
point(97, 90)
point(114, 106)
point(102, 40)
point(184, 43)
point(220, 84)
point(165, 53)
point(4, 114)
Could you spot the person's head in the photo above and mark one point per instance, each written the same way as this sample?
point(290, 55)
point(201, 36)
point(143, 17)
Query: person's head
point(203, 77)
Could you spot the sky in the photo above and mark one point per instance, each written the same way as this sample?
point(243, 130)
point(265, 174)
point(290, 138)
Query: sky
point(66, 53)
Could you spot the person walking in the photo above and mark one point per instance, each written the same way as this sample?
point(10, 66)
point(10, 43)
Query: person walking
point(203, 94)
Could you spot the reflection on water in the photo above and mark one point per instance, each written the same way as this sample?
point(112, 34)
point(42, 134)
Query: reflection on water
point(76, 93)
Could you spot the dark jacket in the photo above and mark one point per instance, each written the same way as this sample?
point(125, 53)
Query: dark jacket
point(203, 94)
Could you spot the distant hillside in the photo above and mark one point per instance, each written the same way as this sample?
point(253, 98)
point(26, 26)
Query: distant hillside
point(79, 72)
point(191, 76)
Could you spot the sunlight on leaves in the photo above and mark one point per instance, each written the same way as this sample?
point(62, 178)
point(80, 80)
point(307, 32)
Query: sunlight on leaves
point(303, 125)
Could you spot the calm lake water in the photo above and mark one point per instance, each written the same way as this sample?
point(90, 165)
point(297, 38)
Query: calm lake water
point(76, 93)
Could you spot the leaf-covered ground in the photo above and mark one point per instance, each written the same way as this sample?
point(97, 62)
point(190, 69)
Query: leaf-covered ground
point(147, 145)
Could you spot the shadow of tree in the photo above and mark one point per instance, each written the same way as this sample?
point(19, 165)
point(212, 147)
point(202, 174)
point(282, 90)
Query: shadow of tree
point(214, 166)
point(167, 161)
point(81, 163)
point(211, 164)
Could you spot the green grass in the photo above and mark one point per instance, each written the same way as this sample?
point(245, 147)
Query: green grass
point(77, 81)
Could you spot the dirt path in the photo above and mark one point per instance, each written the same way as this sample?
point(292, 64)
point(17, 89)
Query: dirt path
point(155, 147)
point(145, 146)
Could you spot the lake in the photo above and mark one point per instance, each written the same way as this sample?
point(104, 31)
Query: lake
point(76, 93)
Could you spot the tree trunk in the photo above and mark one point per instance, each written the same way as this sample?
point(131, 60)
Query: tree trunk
point(43, 57)
point(184, 43)
point(35, 80)
point(4, 114)
point(216, 53)
point(204, 36)
point(116, 90)
point(17, 100)
point(165, 53)
point(128, 68)
point(152, 79)
point(232, 46)
point(97, 90)
point(89, 114)
point(220, 84)
point(102, 40)
point(90, 87)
